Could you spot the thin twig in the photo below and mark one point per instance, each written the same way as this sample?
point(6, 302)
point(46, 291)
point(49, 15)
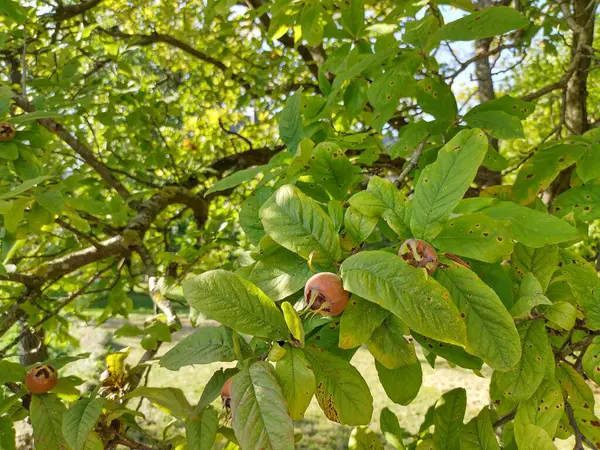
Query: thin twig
point(505, 419)
point(579, 436)
point(412, 163)
point(245, 139)
point(24, 65)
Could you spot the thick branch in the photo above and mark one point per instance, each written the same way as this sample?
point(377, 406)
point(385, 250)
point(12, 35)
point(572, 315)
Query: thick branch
point(67, 12)
point(80, 148)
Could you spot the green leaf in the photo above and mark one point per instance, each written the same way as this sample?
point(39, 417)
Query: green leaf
point(401, 393)
point(342, 392)
point(420, 302)
point(236, 303)
point(332, 170)
point(297, 381)
point(497, 123)
point(46, 413)
point(353, 16)
point(483, 24)
point(293, 321)
point(585, 286)
point(205, 346)
point(588, 166)
point(442, 184)
point(201, 429)
point(212, 389)
point(542, 168)
point(7, 434)
point(260, 419)
point(507, 104)
point(541, 262)
point(478, 434)
point(575, 388)
point(452, 353)
point(591, 360)
point(436, 98)
point(9, 151)
point(363, 438)
point(280, 274)
point(33, 116)
point(476, 236)
point(61, 361)
point(128, 330)
point(562, 314)
point(582, 201)
point(290, 122)
point(359, 319)
point(11, 372)
point(522, 308)
point(534, 438)
point(249, 218)
point(13, 10)
point(391, 429)
point(494, 160)
point(170, 400)
point(23, 187)
point(358, 226)
point(544, 409)
point(530, 227)
point(239, 177)
point(491, 332)
point(448, 419)
point(79, 421)
point(388, 345)
point(298, 223)
point(523, 380)
point(336, 212)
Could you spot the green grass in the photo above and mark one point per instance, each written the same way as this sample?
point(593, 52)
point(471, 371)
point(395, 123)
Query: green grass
point(318, 432)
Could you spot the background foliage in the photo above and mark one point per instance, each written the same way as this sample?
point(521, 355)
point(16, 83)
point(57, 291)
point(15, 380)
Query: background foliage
point(234, 148)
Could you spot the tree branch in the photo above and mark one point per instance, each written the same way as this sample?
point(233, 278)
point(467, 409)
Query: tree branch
point(80, 148)
point(67, 12)
point(412, 163)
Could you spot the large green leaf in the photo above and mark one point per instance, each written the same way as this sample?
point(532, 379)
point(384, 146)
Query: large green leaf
point(448, 419)
point(389, 346)
point(358, 226)
point(212, 389)
point(533, 437)
point(585, 286)
point(575, 388)
point(539, 171)
point(419, 301)
point(436, 98)
point(524, 379)
point(11, 372)
point(478, 434)
point(205, 346)
point(530, 227)
point(588, 166)
point(541, 262)
point(290, 122)
point(280, 273)
point(249, 218)
point(476, 236)
point(544, 409)
point(452, 353)
point(591, 360)
point(363, 438)
point(510, 105)
point(7, 434)
point(332, 170)
point(298, 223)
point(342, 392)
point(201, 428)
point(238, 178)
point(582, 201)
point(80, 420)
point(497, 123)
point(487, 23)
point(236, 303)
point(359, 319)
point(259, 410)
point(170, 400)
point(442, 184)
point(46, 413)
point(297, 381)
point(405, 392)
point(25, 186)
point(391, 429)
point(491, 332)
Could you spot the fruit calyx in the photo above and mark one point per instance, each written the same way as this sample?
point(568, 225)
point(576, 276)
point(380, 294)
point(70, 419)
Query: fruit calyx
point(325, 295)
point(419, 253)
point(41, 378)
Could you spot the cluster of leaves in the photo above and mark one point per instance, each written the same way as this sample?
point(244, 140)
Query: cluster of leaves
point(509, 291)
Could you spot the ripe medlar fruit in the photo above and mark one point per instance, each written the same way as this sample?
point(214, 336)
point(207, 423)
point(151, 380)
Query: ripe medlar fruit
point(226, 393)
point(41, 379)
point(7, 131)
point(325, 295)
point(419, 253)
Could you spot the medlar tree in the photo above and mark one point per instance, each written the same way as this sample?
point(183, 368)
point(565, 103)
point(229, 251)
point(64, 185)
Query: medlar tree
point(385, 214)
